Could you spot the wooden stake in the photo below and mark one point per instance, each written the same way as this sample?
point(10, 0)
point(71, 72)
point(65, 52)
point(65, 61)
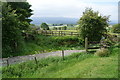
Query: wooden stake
point(63, 54)
point(7, 62)
point(36, 60)
point(86, 44)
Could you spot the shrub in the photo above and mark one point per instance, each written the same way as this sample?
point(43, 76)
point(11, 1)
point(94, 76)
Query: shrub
point(102, 52)
point(106, 42)
point(115, 28)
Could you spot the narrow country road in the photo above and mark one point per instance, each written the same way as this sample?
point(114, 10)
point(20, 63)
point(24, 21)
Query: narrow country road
point(20, 59)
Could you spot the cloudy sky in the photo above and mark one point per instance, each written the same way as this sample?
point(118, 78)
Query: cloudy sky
point(73, 8)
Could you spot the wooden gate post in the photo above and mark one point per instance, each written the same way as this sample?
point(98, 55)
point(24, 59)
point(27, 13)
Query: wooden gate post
point(86, 44)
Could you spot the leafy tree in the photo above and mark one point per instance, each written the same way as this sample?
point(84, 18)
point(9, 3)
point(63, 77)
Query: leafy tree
point(12, 38)
point(44, 26)
point(11, 34)
point(92, 25)
point(59, 28)
point(115, 28)
point(22, 9)
point(61, 24)
point(64, 27)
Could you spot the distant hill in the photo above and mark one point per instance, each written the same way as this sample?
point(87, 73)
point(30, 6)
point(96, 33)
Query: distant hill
point(53, 20)
point(58, 20)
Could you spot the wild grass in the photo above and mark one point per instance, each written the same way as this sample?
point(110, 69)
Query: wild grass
point(77, 65)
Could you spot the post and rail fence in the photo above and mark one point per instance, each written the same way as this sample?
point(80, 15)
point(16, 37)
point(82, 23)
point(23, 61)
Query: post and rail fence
point(58, 33)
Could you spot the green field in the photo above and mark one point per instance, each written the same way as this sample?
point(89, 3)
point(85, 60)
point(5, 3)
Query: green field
point(77, 65)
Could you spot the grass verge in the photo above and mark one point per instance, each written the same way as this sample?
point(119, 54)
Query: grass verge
point(77, 65)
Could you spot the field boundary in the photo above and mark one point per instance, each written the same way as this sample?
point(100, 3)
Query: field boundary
point(58, 33)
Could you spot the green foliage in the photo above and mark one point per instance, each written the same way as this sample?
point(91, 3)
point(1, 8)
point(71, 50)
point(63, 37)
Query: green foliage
point(23, 12)
point(11, 34)
point(42, 44)
point(64, 27)
point(56, 42)
point(44, 26)
point(115, 28)
point(114, 38)
point(92, 25)
point(59, 28)
point(106, 42)
point(12, 20)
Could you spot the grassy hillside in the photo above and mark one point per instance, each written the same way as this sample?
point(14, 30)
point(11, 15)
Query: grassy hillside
point(78, 65)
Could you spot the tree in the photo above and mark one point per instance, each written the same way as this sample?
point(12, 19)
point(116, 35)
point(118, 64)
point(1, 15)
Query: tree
point(12, 38)
point(22, 9)
point(115, 28)
point(11, 34)
point(92, 25)
point(44, 26)
point(61, 24)
point(59, 28)
point(64, 27)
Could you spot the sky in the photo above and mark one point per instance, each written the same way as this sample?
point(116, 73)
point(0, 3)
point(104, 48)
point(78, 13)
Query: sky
point(73, 8)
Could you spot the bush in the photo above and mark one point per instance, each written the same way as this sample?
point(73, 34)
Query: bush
point(102, 52)
point(106, 42)
point(115, 28)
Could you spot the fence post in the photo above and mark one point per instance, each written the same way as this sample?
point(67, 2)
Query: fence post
point(86, 44)
point(7, 62)
point(36, 60)
point(63, 54)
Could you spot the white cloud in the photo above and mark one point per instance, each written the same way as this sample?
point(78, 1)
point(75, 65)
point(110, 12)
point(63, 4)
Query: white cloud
point(73, 8)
